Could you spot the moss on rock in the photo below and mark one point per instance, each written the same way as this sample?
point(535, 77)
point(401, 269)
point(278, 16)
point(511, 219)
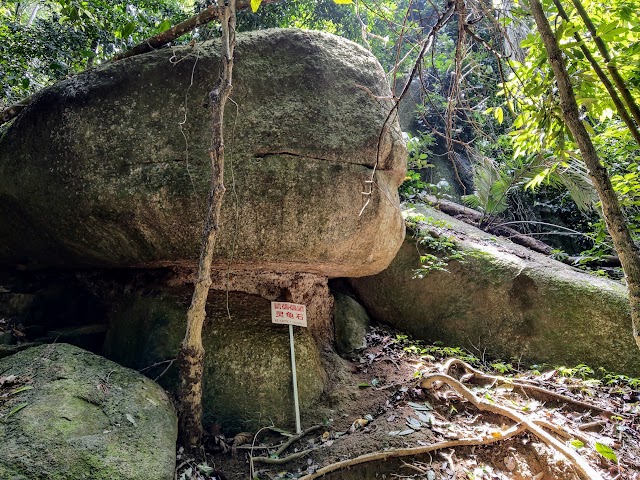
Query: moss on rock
point(506, 301)
point(247, 376)
point(83, 417)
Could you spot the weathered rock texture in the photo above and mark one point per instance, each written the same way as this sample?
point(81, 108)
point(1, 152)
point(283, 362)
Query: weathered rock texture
point(110, 168)
point(351, 323)
point(84, 417)
point(505, 300)
point(247, 375)
point(304, 288)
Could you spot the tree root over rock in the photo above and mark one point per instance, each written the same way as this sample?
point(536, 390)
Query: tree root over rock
point(584, 469)
point(453, 363)
point(523, 423)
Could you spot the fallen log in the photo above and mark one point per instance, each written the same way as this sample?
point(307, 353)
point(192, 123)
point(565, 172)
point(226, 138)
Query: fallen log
point(489, 224)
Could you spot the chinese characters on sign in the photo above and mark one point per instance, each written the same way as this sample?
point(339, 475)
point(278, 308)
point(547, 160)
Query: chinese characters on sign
point(289, 314)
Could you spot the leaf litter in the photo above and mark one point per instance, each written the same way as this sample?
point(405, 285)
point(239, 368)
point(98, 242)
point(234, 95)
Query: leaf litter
point(599, 420)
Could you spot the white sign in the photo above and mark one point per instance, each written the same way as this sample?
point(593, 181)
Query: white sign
point(289, 314)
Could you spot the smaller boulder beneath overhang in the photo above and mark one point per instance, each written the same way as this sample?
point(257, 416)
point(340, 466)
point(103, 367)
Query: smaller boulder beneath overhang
point(351, 322)
point(247, 372)
point(500, 298)
point(68, 414)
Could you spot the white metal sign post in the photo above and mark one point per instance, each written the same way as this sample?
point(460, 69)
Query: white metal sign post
point(291, 314)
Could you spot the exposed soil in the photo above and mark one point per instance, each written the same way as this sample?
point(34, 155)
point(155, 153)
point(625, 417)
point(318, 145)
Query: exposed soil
point(377, 404)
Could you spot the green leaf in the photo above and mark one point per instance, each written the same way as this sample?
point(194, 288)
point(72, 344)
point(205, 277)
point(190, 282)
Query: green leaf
point(22, 389)
point(363, 385)
point(128, 29)
point(606, 452)
point(15, 410)
point(255, 5)
point(165, 25)
point(499, 114)
point(576, 444)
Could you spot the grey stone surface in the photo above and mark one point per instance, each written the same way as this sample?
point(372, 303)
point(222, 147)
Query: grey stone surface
point(247, 374)
point(503, 299)
point(110, 168)
point(80, 416)
point(351, 322)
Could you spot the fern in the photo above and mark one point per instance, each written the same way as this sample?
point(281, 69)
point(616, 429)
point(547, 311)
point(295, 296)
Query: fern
point(493, 183)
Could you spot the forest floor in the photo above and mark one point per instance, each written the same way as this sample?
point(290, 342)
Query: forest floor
point(392, 414)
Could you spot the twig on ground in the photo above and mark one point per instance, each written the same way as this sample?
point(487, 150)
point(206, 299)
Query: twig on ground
point(562, 432)
point(584, 469)
point(251, 459)
point(295, 438)
point(274, 460)
point(287, 459)
point(406, 452)
point(449, 459)
point(257, 447)
point(418, 469)
point(590, 425)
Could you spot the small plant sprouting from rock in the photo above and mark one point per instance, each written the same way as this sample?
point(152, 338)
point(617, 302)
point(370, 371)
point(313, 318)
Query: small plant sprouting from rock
point(436, 249)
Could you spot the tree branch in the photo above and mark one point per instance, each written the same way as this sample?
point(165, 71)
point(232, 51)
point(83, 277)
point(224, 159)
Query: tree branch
point(614, 217)
point(617, 101)
point(191, 354)
point(613, 70)
point(151, 43)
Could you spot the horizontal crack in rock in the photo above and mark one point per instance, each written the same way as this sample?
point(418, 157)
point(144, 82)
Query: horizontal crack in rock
point(303, 155)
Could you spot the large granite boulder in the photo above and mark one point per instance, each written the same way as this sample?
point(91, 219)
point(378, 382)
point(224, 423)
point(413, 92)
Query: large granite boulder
point(110, 168)
point(67, 414)
point(500, 298)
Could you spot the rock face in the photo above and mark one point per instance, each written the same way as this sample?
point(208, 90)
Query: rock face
point(82, 417)
point(110, 168)
point(503, 298)
point(304, 288)
point(247, 375)
point(351, 321)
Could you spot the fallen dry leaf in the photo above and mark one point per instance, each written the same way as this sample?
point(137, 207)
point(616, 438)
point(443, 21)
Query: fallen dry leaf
point(242, 438)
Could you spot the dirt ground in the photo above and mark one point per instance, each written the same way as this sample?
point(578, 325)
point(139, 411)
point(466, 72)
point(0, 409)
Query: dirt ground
point(380, 403)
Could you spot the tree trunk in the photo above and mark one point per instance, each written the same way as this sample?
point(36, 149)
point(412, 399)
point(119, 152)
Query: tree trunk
point(151, 43)
point(191, 355)
point(613, 215)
